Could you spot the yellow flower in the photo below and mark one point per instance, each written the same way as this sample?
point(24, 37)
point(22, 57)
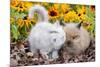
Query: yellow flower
point(71, 16)
point(20, 23)
point(24, 22)
point(53, 13)
point(81, 10)
point(20, 6)
point(65, 8)
point(28, 4)
point(82, 17)
point(56, 6)
point(14, 3)
point(45, 4)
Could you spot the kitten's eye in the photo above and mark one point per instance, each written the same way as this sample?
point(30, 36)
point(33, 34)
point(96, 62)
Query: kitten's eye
point(76, 37)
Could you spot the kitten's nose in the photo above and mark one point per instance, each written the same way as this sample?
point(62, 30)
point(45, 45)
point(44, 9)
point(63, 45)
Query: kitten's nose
point(68, 42)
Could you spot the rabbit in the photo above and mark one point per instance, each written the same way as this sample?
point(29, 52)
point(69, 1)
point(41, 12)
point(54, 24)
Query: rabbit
point(46, 37)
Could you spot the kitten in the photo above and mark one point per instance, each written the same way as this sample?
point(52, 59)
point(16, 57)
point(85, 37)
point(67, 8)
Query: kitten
point(44, 36)
point(77, 38)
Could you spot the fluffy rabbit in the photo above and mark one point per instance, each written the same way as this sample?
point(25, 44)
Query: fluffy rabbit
point(45, 36)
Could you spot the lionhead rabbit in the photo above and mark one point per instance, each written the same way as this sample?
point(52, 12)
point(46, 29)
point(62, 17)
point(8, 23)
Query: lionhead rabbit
point(44, 36)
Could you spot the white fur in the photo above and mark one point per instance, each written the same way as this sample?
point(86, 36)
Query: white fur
point(41, 11)
point(41, 36)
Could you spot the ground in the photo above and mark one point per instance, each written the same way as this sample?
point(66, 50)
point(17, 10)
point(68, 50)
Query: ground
point(21, 56)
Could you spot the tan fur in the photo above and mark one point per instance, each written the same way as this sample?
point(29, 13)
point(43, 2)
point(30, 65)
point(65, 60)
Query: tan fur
point(79, 39)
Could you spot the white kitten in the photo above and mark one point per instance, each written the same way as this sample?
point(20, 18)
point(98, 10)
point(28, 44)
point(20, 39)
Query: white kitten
point(44, 36)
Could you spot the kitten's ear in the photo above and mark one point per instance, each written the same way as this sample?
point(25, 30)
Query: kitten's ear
point(79, 25)
point(62, 22)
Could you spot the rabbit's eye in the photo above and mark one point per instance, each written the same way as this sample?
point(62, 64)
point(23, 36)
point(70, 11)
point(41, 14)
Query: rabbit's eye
point(53, 32)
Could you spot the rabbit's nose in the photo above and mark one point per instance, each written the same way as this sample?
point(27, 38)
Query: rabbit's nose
point(54, 40)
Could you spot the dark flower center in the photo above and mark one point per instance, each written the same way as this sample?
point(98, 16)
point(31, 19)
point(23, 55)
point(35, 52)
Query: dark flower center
point(79, 14)
point(25, 18)
point(53, 13)
point(84, 12)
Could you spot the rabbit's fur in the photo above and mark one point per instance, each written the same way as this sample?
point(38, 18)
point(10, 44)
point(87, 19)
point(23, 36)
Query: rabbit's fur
point(44, 36)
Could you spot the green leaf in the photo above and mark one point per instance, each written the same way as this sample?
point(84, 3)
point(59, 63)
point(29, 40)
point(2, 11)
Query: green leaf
point(15, 33)
point(15, 14)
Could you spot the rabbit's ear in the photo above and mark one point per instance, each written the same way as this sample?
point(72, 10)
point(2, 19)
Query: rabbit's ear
point(62, 22)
